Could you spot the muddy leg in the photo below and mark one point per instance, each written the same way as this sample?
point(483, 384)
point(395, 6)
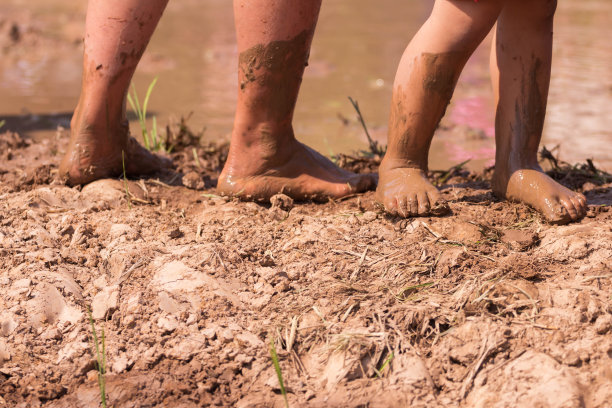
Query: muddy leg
point(423, 87)
point(116, 35)
point(521, 64)
point(274, 39)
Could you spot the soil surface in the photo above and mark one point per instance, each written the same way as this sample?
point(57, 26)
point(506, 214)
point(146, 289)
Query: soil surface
point(486, 307)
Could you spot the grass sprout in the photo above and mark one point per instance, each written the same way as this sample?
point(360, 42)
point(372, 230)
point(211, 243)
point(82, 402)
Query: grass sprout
point(279, 373)
point(125, 182)
point(210, 195)
point(384, 365)
point(151, 139)
point(375, 148)
point(100, 355)
point(406, 292)
point(443, 176)
point(2, 122)
point(195, 157)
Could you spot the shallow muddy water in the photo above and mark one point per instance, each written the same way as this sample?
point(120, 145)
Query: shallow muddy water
point(355, 53)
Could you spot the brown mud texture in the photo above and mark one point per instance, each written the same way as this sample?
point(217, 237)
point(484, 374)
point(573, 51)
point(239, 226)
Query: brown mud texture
point(486, 307)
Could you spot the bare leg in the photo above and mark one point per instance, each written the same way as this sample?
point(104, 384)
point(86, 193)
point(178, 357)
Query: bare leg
point(423, 87)
point(116, 35)
point(274, 39)
point(520, 65)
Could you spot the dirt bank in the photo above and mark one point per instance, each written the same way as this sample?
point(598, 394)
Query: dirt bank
point(488, 307)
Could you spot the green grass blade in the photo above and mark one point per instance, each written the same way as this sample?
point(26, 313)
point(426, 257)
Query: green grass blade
point(449, 172)
point(103, 371)
point(195, 157)
point(137, 103)
point(101, 359)
point(2, 122)
point(145, 103)
point(156, 144)
point(125, 183)
point(374, 148)
point(384, 364)
point(279, 373)
point(152, 140)
point(132, 105)
point(95, 335)
point(408, 290)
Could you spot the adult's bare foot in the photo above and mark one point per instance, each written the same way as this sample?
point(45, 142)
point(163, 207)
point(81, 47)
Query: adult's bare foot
point(533, 187)
point(93, 155)
point(297, 170)
point(407, 192)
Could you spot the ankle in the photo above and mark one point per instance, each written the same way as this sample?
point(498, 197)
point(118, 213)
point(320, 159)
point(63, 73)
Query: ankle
point(390, 163)
point(266, 137)
point(504, 168)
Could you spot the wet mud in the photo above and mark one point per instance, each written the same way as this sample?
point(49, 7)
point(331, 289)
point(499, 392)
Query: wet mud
point(529, 112)
point(278, 65)
point(441, 78)
point(364, 308)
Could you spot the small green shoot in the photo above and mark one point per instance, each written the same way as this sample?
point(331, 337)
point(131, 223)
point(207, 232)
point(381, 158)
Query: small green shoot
point(375, 149)
point(2, 122)
point(195, 157)
point(407, 291)
point(100, 358)
point(384, 365)
point(210, 195)
point(125, 182)
point(279, 373)
point(151, 139)
point(448, 173)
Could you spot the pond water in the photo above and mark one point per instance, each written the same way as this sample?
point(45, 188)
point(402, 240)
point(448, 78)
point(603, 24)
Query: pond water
point(355, 53)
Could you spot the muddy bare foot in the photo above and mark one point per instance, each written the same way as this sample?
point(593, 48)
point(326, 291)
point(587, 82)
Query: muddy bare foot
point(407, 192)
point(557, 204)
point(90, 158)
point(301, 173)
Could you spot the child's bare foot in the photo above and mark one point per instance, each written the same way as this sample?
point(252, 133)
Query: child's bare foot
point(94, 155)
point(295, 170)
point(407, 192)
point(558, 204)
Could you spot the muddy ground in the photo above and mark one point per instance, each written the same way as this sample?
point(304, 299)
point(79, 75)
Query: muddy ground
point(487, 307)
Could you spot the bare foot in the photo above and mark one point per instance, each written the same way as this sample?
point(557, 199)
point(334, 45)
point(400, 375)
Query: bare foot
point(299, 171)
point(407, 192)
point(557, 204)
point(92, 155)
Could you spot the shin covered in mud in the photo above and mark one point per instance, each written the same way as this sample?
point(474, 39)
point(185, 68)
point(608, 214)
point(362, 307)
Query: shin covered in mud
point(265, 158)
point(424, 84)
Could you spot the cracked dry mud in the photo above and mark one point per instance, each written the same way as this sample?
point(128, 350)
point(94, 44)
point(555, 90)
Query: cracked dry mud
point(488, 307)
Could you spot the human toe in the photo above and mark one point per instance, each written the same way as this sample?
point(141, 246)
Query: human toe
point(582, 201)
point(413, 205)
point(558, 214)
point(403, 208)
point(438, 206)
point(424, 206)
point(570, 207)
point(580, 208)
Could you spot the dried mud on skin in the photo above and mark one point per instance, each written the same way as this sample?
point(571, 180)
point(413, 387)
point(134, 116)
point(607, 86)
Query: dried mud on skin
point(488, 307)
